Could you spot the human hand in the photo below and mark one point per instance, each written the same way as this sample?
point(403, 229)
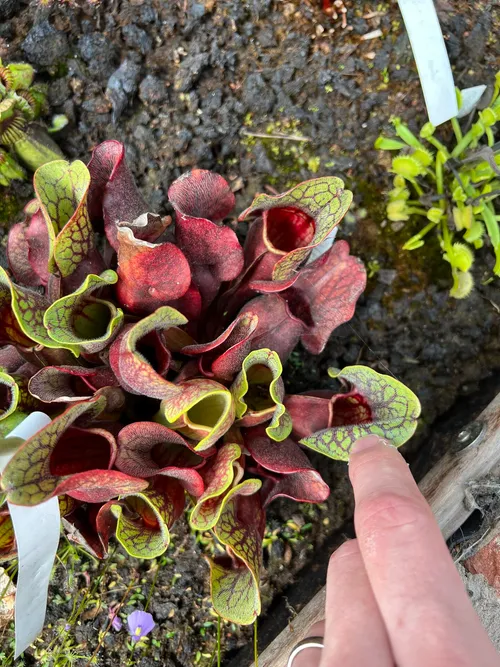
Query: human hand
point(394, 597)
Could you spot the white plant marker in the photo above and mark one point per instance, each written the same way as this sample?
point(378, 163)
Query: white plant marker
point(430, 54)
point(37, 536)
point(323, 247)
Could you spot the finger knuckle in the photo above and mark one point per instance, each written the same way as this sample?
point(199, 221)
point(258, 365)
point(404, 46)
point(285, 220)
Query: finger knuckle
point(347, 554)
point(348, 549)
point(391, 511)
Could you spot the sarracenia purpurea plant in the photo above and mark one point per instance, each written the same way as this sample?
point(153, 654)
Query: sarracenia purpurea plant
point(157, 345)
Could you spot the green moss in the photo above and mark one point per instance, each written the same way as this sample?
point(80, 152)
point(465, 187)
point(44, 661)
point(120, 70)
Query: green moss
point(9, 208)
point(290, 158)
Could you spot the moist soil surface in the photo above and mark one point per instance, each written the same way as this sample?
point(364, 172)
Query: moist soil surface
point(195, 83)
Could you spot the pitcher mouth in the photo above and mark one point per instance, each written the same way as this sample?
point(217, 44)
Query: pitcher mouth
point(288, 228)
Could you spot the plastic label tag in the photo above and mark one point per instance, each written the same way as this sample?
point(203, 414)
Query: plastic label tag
point(432, 60)
point(37, 536)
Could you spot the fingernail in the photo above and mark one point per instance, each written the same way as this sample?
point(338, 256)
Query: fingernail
point(368, 442)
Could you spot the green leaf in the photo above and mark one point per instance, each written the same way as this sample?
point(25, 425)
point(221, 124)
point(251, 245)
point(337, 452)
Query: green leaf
point(475, 232)
point(143, 519)
point(59, 121)
point(202, 410)
point(235, 591)
point(492, 226)
point(407, 166)
point(462, 256)
point(463, 217)
point(29, 308)
point(9, 423)
point(414, 243)
point(82, 320)
point(423, 156)
point(258, 393)
point(376, 405)
point(324, 199)
point(427, 130)
point(404, 133)
point(62, 190)
point(35, 148)
point(434, 214)
point(463, 284)
point(21, 76)
point(217, 481)
point(28, 478)
point(387, 144)
point(8, 548)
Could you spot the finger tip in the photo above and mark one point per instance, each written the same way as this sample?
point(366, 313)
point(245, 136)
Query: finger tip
point(369, 442)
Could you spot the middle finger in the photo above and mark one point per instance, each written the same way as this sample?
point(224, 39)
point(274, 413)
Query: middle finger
point(354, 631)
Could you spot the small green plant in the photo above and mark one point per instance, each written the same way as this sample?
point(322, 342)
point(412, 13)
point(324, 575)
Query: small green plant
point(22, 141)
point(453, 187)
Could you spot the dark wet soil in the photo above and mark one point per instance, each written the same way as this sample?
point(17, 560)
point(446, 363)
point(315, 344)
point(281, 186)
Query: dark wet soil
point(193, 83)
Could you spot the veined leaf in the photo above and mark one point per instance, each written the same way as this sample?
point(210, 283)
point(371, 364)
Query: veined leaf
point(49, 463)
point(203, 410)
point(222, 357)
point(134, 372)
point(258, 393)
point(62, 190)
point(293, 474)
point(218, 479)
point(113, 194)
point(9, 395)
point(29, 308)
point(201, 199)
point(143, 518)
point(8, 548)
point(148, 449)
point(67, 384)
point(377, 404)
point(327, 290)
point(323, 202)
point(235, 590)
point(79, 319)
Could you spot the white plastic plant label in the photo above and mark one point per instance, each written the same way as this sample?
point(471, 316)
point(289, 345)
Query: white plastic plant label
point(323, 247)
point(37, 536)
point(432, 60)
point(470, 99)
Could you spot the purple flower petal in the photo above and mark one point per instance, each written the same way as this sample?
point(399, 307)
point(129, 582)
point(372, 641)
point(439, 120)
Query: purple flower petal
point(116, 623)
point(140, 624)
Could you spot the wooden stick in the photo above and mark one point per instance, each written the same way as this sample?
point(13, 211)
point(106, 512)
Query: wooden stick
point(446, 489)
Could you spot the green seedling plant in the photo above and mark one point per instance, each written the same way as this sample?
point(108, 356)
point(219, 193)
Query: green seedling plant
point(24, 143)
point(453, 185)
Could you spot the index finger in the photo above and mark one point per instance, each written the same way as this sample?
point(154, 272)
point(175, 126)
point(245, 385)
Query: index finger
point(423, 603)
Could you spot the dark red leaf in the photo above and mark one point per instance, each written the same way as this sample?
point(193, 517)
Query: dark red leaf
point(326, 291)
point(296, 477)
point(17, 256)
point(222, 357)
point(64, 384)
point(146, 449)
point(149, 275)
point(214, 253)
point(201, 194)
point(278, 329)
point(28, 249)
point(113, 195)
point(309, 413)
